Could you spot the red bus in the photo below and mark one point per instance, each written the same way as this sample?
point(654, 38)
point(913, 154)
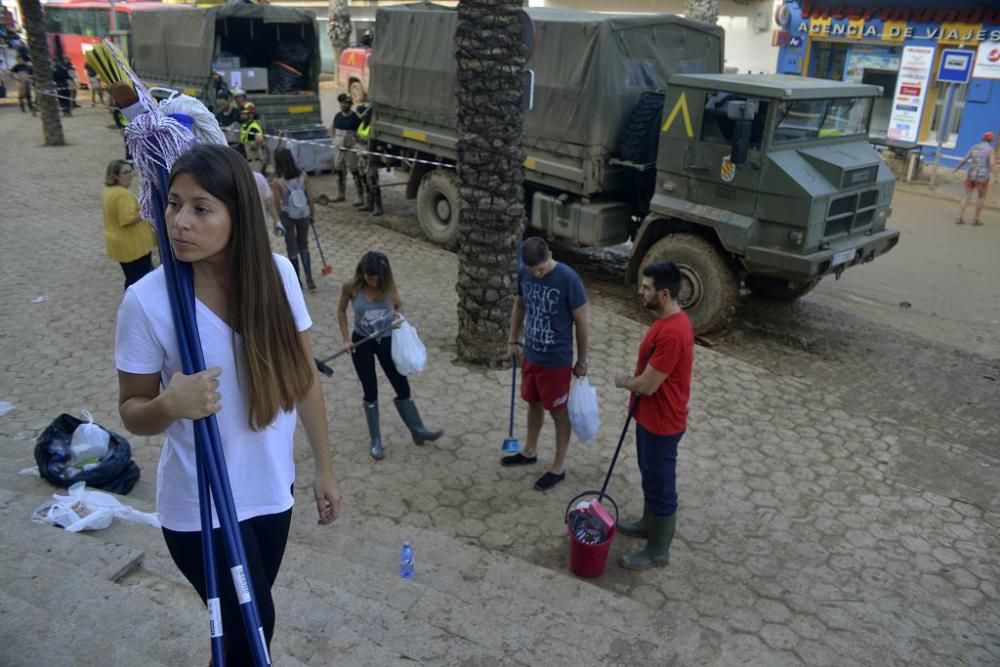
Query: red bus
point(74, 26)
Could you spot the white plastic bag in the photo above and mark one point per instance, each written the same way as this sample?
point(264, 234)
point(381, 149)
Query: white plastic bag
point(584, 416)
point(408, 353)
point(89, 442)
point(88, 510)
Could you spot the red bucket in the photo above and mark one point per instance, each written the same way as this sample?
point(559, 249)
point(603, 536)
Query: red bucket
point(588, 560)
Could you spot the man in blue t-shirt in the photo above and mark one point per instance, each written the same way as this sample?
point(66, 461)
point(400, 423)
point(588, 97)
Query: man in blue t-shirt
point(550, 302)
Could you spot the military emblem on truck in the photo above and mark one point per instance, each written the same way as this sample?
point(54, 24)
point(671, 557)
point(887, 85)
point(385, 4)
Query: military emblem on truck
point(728, 170)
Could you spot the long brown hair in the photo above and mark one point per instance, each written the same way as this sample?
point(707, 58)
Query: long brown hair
point(277, 371)
point(374, 263)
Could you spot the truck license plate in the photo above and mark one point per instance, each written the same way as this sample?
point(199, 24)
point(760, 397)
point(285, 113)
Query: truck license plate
point(844, 257)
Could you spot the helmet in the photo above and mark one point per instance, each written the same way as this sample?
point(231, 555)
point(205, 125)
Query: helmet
point(237, 92)
point(249, 107)
point(344, 97)
point(987, 136)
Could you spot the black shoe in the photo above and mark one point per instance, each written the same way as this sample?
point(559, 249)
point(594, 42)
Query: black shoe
point(518, 460)
point(548, 480)
point(310, 284)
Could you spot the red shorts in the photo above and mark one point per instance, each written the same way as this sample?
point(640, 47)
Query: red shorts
point(548, 386)
point(981, 186)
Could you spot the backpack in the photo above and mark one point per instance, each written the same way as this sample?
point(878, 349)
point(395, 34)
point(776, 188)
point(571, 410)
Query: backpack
point(297, 206)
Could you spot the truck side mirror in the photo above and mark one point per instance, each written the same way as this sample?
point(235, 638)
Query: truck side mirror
point(742, 113)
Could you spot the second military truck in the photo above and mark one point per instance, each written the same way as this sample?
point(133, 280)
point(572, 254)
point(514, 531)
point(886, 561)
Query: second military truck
point(762, 180)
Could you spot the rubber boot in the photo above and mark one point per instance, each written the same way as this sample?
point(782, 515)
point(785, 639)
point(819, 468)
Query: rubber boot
point(657, 550)
point(369, 203)
point(295, 265)
point(377, 203)
point(360, 201)
point(636, 528)
point(307, 265)
point(411, 417)
point(341, 178)
point(371, 416)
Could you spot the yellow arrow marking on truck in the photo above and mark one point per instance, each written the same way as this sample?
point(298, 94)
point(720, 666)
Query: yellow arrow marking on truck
point(301, 109)
point(351, 58)
point(529, 163)
point(682, 108)
point(416, 135)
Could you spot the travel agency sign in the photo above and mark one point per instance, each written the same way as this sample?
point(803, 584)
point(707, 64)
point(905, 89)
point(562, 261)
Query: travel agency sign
point(898, 24)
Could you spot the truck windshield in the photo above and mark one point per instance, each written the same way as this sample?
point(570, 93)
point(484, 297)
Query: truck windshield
point(804, 120)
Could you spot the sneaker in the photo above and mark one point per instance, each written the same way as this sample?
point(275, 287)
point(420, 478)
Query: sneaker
point(548, 480)
point(518, 460)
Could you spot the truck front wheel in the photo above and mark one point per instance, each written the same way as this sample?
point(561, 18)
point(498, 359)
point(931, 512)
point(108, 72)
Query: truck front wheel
point(777, 289)
point(708, 287)
point(437, 206)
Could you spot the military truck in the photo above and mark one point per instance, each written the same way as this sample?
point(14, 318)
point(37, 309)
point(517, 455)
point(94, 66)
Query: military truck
point(767, 181)
point(180, 46)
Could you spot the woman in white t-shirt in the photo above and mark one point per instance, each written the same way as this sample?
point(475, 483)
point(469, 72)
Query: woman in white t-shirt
point(260, 375)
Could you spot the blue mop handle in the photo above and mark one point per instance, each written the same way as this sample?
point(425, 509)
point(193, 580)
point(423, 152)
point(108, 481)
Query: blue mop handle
point(207, 440)
point(204, 492)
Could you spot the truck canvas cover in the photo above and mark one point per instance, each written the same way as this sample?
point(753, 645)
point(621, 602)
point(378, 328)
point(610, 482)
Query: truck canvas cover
point(590, 69)
point(178, 41)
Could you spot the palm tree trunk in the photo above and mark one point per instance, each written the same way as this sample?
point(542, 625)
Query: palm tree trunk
point(34, 23)
point(489, 50)
point(702, 10)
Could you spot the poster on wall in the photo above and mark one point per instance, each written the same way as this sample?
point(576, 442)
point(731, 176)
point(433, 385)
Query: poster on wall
point(911, 93)
point(987, 61)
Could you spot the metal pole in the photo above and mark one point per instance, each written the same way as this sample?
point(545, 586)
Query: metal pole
point(942, 132)
point(114, 18)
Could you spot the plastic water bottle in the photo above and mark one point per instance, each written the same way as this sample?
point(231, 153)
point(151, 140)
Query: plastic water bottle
point(406, 561)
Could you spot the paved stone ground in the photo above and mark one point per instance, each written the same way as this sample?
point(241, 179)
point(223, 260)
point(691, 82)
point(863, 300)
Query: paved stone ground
point(797, 543)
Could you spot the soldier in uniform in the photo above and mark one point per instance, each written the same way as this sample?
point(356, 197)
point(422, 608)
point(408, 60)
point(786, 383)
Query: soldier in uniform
point(345, 138)
point(369, 164)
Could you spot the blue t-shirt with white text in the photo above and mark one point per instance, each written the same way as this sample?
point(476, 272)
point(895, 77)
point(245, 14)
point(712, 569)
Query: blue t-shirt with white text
point(549, 303)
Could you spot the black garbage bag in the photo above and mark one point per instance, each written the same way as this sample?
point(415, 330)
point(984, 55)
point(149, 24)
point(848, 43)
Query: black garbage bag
point(284, 81)
point(116, 472)
point(295, 54)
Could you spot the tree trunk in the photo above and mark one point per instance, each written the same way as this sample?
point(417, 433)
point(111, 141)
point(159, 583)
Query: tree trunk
point(34, 23)
point(702, 10)
point(339, 28)
point(489, 50)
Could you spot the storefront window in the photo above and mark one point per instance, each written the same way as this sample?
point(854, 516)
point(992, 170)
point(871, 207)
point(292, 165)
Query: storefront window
point(803, 120)
point(954, 120)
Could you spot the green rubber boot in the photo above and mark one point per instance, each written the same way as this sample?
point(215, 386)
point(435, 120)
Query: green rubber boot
point(636, 528)
point(657, 550)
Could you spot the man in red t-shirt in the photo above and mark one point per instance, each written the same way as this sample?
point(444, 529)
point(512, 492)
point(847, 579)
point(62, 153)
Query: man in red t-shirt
point(662, 386)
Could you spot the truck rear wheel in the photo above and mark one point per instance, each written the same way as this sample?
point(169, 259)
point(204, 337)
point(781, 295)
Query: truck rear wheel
point(777, 289)
point(708, 286)
point(437, 206)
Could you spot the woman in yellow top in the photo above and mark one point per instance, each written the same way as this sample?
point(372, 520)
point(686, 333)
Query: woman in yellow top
point(129, 239)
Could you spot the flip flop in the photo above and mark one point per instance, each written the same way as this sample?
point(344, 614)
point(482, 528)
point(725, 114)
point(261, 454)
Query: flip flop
point(976, 223)
point(960, 222)
point(518, 460)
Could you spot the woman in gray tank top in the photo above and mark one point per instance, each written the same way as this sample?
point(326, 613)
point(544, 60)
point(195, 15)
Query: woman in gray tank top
point(373, 297)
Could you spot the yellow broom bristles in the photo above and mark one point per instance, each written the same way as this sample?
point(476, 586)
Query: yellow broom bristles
point(102, 59)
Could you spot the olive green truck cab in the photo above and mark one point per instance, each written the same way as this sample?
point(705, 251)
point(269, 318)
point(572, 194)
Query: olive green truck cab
point(760, 180)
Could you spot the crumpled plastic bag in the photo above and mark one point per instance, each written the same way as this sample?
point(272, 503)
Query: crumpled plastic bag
point(584, 415)
point(408, 352)
point(89, 443)
point(88, 510)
